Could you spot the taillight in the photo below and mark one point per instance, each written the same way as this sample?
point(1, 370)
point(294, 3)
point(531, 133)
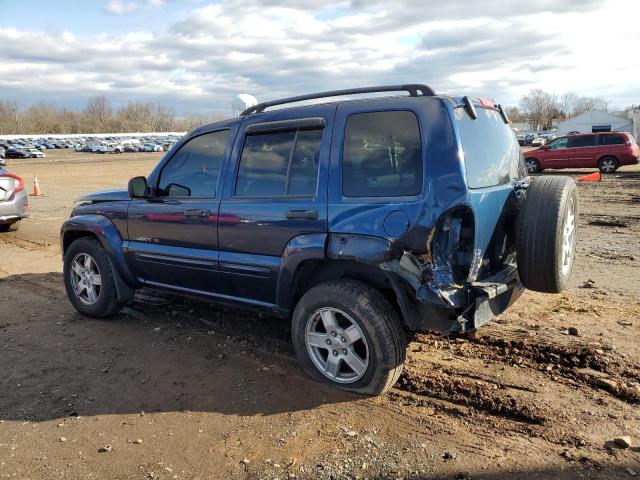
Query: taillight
point(19, 181)
point(487, 103)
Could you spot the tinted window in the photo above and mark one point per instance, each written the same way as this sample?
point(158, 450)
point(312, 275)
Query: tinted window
point(582, 141)
point(279, 163)
point(303, 175)
point(491, 152)
point(559, 143)
point(382, 156)
point(611, 140)
point(193, 171)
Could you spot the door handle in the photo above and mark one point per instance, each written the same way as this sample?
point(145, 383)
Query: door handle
point(196, 213)
point(302, 215)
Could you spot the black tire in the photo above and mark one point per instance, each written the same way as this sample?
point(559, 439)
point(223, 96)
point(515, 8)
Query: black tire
point(533, 165)
point(376, 318)
point(540, 240)
point(608, 164)
point(107, 303)
point(10, 227)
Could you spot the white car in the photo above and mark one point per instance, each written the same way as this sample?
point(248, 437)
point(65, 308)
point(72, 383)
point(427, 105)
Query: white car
point(35, 153)
point(150, 147)
point(538, 142)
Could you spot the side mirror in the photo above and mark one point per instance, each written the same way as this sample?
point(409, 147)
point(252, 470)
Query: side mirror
point(544, 147)
point(138, 187)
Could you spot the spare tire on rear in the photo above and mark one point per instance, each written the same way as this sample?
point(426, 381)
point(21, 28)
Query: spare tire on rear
point(547, 234)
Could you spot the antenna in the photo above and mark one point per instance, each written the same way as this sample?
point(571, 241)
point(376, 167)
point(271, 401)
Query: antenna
point(241, 102)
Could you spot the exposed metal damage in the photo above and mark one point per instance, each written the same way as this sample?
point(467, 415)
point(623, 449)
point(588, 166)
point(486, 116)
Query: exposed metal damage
point(437, 288)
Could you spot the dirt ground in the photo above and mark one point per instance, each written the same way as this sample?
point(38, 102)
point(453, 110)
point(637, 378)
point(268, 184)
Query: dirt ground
point(179, 388)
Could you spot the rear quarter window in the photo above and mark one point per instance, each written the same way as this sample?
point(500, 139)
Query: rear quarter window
point(382, 155)
point(612, 139)
point(491, 152)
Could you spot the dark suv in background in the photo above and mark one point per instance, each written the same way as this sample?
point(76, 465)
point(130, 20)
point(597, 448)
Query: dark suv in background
point(605, 151)
point(357, 220)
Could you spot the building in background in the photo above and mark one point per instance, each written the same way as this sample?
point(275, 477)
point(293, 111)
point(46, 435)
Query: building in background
point(596, 121)
point(633, 114)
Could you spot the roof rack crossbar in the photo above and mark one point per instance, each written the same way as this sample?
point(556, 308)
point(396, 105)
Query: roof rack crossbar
point(414, 90)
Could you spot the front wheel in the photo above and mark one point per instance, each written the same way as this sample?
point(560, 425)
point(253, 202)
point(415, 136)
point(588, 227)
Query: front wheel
point(346, 334)
point(88, 279)
point(608, 165)
point(533, 165)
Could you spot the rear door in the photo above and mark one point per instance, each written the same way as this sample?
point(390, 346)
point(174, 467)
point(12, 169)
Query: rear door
point(377, 166)
point(275, 191)
point(173, 239)
point(582, 151)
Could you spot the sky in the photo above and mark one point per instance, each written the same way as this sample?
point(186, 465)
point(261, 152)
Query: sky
point(194, 56)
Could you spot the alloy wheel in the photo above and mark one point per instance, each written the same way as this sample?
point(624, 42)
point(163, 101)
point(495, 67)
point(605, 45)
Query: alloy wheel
point(337, 345)
point(85, 278)
point(569, 239)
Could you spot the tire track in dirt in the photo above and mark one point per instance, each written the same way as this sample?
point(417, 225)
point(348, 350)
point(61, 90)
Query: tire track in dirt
point(581, 363)
point(485, 397)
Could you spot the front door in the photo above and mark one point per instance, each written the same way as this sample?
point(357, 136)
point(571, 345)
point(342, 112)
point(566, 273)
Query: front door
point(173, 240)
point(275, 191)
point(555, 156)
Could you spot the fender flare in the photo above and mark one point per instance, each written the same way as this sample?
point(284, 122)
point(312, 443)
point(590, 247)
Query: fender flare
point(310, 246)
point(109, 237)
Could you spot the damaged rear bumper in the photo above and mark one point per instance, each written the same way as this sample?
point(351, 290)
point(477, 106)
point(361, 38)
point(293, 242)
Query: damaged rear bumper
point(456, 308)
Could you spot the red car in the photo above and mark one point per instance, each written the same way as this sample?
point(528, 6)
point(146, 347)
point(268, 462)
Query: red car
point(606, 151)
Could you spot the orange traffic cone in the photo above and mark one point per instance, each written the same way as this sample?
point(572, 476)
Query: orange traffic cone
point(36, 187)
point(592, 177)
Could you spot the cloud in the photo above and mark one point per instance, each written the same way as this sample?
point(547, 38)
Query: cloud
point(118, 7)
point(121, 7)
point(204, 55)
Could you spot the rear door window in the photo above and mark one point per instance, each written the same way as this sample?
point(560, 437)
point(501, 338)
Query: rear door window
point(279, 163)
point(582, 141)
point(382, 155)
point(491, 152)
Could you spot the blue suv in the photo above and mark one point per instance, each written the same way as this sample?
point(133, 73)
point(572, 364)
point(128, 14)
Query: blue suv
point(359, 220)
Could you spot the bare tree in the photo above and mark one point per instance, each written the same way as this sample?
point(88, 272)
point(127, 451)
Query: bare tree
point(540, 108)
point(515, 115)
point(98, 113)
point(9, 117)
point(572, 104)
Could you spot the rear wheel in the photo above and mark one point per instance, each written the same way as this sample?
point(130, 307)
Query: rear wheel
point(10, 227)
point(88, 279)
point(608, 165)
point(547, 234)
point(533, 165)
point(346, 334)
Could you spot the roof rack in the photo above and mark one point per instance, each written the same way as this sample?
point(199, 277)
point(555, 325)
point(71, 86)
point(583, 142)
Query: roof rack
point(413, 90)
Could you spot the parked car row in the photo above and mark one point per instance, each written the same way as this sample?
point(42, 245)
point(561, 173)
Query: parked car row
point(535, 139)
point(33, 148)
point(7, 151)
point(154, 143)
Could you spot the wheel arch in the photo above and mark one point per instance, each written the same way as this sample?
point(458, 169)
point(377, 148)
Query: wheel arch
point(607, 155)
point(103, 230)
